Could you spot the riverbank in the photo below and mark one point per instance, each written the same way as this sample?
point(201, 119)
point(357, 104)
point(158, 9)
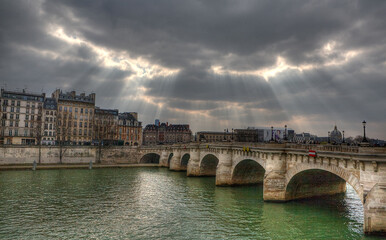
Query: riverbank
point(72, 166)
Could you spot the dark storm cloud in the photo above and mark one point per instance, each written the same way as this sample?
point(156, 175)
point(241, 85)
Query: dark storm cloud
point(193, 37)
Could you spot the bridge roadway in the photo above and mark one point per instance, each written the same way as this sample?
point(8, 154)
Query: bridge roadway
point(286, 171)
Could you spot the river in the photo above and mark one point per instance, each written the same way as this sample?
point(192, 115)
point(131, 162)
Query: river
point(155, 203)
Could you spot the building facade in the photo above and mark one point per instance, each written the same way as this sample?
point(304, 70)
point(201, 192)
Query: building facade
point(21, 117)
point(129, 129)
point(106, 126)
point(212, 136)
point(75, 117)
point(163, 133)
point(49, 121)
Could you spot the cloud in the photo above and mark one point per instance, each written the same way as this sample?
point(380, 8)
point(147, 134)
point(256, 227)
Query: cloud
point(216, 65)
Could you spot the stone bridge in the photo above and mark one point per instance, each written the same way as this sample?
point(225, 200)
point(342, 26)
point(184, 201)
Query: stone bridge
point(286, 171)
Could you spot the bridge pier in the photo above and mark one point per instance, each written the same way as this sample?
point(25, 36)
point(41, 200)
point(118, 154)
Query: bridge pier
point(224, 168)
point(193, 169)
point(163, 161)
point(375, 210)
point(275, 179)
point(175, 162)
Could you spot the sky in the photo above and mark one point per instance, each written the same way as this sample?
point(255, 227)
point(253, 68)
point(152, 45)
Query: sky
point(212, 64)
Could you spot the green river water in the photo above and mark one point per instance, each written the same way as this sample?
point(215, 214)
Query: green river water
point(155, 203)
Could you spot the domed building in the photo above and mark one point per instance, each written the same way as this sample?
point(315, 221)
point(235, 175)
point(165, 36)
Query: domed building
point(336, 136)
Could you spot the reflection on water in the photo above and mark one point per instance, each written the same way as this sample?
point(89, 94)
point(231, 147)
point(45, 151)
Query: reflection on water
point(153, 203)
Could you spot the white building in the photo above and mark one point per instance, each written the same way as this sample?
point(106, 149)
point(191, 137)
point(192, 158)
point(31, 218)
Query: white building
point(21, 117)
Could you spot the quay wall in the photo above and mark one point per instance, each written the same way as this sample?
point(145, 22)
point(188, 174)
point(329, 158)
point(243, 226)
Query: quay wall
point(22, 155)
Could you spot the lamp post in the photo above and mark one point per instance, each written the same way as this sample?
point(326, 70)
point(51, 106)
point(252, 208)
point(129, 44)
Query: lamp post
point(364, 131)
point(285, 132)
point(224, 134)
point(328, 137)
point(232, 134)
point(343, 137)
point(271, 133)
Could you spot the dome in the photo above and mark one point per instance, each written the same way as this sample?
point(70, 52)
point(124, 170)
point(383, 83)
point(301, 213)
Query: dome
point(336, 136)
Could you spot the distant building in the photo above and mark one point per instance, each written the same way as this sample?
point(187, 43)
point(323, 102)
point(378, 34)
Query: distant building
point(166, 134)
point(21, 117)
point(336, 136)
point(105, 126)
point(305, 138)
point(129, 129)
point(74, 117)
point(263, 134)
point(247, 135)
point(212, 136)
point(49, 121)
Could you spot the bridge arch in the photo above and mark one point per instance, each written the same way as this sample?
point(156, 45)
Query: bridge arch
point(184, 161)
point(208, 165)
point(150, 158)
point(248, 171)
point(308, 180)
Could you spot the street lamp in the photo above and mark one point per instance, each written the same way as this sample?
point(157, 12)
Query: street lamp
point(271, 133)
point(232, 134)
point(343, 136)
point(328, 137)
point(285, 132)
point(364, 131)
point(224, 134)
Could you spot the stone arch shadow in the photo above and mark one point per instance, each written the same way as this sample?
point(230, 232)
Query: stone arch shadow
point(248, 171)
point(184, 161)
point(305, 181)
point(150, 158)
point(208, 165)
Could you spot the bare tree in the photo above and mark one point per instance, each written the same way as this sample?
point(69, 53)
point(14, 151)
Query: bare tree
point(38, 130)
point(104, 132)
point(63, 127)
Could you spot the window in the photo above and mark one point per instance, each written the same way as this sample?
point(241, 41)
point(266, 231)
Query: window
point(50, 133)
point(33, 111)
point(11, 116)
point(70, 109)
point(50, 126)
point(75, 124)
point(18, 110)
point(32, 117)
point(80, 131)
point(65, 109)
point(4, 108)
point(16, 124)
point(86, 110)
point(10, 132)
point(45, 126)
point(76, 116)
point(13, 103)
point(80, 124)
point(45, 133)
point(81, 110)
point(25, 133)
point(60, 108)
point(11, 123)
point(85, 125)
point(76, 110)
point(12, 109)
point(47, 112)
point(26, 124)
point(18, 103)
point(46, 119)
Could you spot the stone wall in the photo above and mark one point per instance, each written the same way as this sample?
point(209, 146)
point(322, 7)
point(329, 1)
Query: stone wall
point(12, 155)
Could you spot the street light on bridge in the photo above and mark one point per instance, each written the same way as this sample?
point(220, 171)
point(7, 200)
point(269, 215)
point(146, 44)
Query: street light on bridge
point(271, 133)
point(364, 131)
